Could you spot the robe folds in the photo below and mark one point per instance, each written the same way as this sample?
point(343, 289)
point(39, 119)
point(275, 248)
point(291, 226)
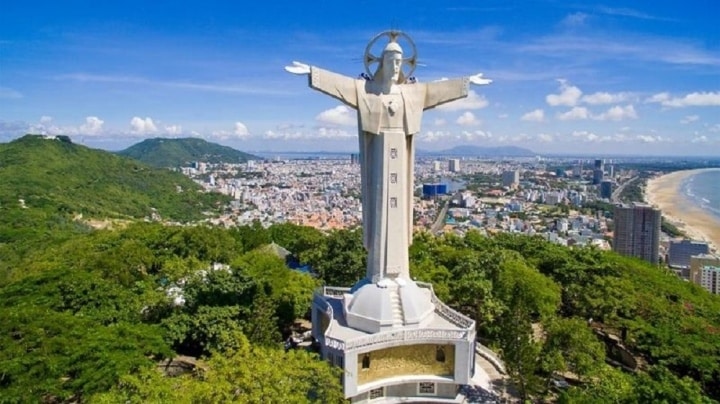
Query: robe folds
point(387, 124)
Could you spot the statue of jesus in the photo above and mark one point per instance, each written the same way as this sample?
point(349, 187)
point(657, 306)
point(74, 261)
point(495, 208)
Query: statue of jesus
point(389, 108)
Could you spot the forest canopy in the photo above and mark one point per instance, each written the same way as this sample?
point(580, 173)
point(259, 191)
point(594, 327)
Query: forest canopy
point(89, 313)
point(91, 316)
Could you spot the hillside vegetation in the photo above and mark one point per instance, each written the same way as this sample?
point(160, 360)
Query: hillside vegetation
point(74, 297)
point(87, 314)
point(51, 188)
point(60, 176)
point(163, 152)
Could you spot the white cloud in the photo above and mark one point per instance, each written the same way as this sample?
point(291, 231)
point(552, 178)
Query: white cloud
point(545, 138)
point(650, 138)
point(689, 118)
point(659, 97)
point(440, 122)
point(703, 99)
point(617, 113)
point(333, 133)
point(285, 135)
point(477, 134)
point(537, 115)
point(173, 129)
point(568, 96)
point(503, 116)
point(574, 19)
point(605, 98)
point(296, 132)
point(472, 101)
point(241, 131)
point(92, 126)
point(140, 126)
point(340, 115)
point(46, 127)
point(700, 139)
point(433, 136)
point(586, 136)
point(574, 114)
point(467, 119)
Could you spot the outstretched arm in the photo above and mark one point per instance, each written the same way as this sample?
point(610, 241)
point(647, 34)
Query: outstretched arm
point(441, 92)
point(333, 84)
point(444, 91)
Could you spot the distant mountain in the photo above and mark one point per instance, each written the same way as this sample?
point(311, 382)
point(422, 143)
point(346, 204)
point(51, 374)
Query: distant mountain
point(162, 152)
point(51, 175)
point(479, 151)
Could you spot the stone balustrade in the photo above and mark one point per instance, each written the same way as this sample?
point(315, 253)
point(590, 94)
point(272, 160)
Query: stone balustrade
point(420, 334)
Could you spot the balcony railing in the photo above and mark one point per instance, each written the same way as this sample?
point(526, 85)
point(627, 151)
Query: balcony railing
point(417, 334)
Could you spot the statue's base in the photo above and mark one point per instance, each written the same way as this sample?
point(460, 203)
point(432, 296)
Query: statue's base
point(424, 352)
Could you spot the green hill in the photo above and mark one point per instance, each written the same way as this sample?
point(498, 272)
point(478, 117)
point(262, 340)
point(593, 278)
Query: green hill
point(55, 175)
point(161, 152)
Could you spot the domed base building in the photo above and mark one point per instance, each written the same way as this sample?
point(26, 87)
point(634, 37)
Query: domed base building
point(395, 341)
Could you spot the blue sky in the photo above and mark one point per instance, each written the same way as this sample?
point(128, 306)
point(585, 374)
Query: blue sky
point(569, 77)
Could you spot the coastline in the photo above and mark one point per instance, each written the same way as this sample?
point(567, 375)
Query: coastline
point(665, 192)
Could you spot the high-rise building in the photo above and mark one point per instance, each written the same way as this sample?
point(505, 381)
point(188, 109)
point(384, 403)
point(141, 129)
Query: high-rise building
point(436, 166)
point(598, 175)
point(637, 231)
point(454, 165)
point(510, 178)
point(355, 158)
point(577, 169)
point(606, 189)
point(680, 252)
point(599, 164)
point(705, 271)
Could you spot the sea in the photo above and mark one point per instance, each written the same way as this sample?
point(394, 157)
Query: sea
point(703, 190)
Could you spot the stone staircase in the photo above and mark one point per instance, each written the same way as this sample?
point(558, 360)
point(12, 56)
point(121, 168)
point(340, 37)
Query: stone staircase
point(397, 309)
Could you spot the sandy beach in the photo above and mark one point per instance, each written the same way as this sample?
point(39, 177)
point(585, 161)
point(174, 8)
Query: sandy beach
point(664, 191)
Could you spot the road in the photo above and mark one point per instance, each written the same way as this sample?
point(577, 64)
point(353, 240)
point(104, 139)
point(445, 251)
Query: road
point(616, 194)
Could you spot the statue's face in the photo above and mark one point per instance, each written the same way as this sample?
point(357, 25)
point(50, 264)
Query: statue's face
point(392, 65)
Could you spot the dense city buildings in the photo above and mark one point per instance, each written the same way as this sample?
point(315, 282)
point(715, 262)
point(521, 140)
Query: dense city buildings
point(680, 251)
point(511, 178)
point(324, 193)
point(637, 231)
point(705, 271)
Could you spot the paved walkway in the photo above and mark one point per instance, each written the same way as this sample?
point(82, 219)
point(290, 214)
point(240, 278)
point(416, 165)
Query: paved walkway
point(488, 384)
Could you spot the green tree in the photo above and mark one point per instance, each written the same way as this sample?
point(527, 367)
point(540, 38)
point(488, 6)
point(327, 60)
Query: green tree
point(341, 261)
point(571, 346)
point(247, 374)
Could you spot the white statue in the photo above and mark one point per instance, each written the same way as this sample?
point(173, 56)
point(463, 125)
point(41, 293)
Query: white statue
point(389, 114)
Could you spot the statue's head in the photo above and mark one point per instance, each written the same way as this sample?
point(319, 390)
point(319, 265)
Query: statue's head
point(390, 67)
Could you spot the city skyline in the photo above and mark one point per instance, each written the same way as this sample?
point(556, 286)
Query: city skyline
point(602, 78)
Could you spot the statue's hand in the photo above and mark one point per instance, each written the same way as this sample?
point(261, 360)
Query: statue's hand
point(479, 80)
point(298, 68)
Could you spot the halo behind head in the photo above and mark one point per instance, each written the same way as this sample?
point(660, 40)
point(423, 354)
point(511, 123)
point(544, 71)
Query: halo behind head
point(392, 46)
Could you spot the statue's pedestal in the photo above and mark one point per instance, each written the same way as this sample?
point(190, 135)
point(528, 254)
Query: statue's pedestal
point(394, 339)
